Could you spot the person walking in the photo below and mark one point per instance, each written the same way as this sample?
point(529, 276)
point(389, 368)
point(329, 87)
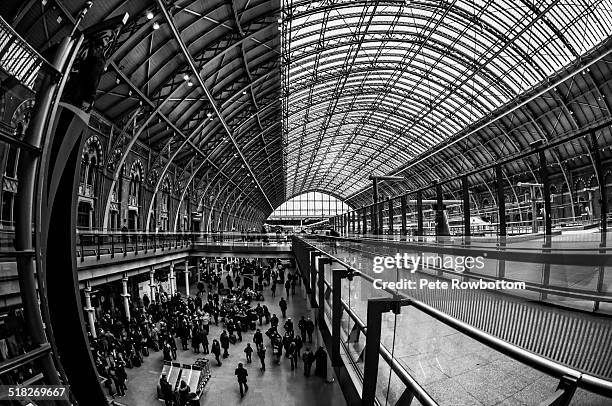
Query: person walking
point(302, 328)
point(308, 359)
point(310, 329)
point(258, 339)
point(273, 288)
point(261, 353)
point(242, 374)
point(283, 306)
point(216, 350)
point(248, 351)
point(287, 287)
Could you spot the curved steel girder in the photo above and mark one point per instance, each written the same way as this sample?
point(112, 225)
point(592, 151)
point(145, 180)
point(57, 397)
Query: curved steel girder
point(227, 75)
point(213, 130)
point(196, 71)
point(210, 156)
point(172, 158)
point(214, 42)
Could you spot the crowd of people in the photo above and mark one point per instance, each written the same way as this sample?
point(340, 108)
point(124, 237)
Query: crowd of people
point(227, 301)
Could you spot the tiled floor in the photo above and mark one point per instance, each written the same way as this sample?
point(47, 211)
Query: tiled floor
point(277, 386)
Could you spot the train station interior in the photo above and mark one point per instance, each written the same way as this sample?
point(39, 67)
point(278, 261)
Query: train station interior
point(296, 202)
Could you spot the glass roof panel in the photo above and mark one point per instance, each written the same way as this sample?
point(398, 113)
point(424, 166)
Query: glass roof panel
point(390, 74)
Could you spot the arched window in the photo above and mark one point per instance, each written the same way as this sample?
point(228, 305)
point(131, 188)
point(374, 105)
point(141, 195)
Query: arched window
point(308, 208)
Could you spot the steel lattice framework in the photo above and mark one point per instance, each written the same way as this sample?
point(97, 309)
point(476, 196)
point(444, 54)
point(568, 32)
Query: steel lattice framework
point(257, 101)
point(375, 84)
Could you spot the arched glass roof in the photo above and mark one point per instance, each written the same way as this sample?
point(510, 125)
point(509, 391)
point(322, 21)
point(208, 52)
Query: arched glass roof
point(310, 205)
point(373, 84)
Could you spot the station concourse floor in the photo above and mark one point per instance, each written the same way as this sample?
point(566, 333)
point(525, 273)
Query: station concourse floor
point(277, 386)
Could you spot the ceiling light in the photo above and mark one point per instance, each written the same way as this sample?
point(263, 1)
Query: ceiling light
point(280, 21)
point(244, 92)
point(185, 77)
point(190, 83)
point(117, 81)
point(155, 25)
point(209, 114)
point(149, 15)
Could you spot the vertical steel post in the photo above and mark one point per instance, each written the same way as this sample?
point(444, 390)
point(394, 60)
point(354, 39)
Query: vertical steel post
point(465, 195)
point(403, 205)
point(419, 208)
point(376, 307)
point(545, 193)
point(501, 201)
point(390, 205)
point(603, 202)
point(375, 225)
point(336, 316)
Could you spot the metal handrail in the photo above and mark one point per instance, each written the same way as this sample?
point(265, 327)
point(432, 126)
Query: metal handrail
point(585, 381)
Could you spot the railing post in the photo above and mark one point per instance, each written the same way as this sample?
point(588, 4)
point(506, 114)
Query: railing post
point(337, 276)
point(376, 307)
point(313, 277)
point(323, 261)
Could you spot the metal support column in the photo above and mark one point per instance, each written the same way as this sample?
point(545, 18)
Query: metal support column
point(126, 297)
point(375, 225)
point(546, 194)
point(465, 195)
point(373, 219)
point(501, 201)
point(599, 169)
point(91, 317)
point(365, 221)
point(152, 285)
point(403, 204)
point(390, 208)
point(187, 277)
point(172, 280)
point(419, 209)
point(313, 277)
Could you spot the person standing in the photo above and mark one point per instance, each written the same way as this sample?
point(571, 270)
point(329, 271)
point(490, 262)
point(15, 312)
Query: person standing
point(224, 339)
point(166, 390)
point(308, 359)
point(248, 351)
point(283, 306)
point(242, 374)
point(321, 362)
point(273, 288)
point(261, 353)
point(183, 393)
